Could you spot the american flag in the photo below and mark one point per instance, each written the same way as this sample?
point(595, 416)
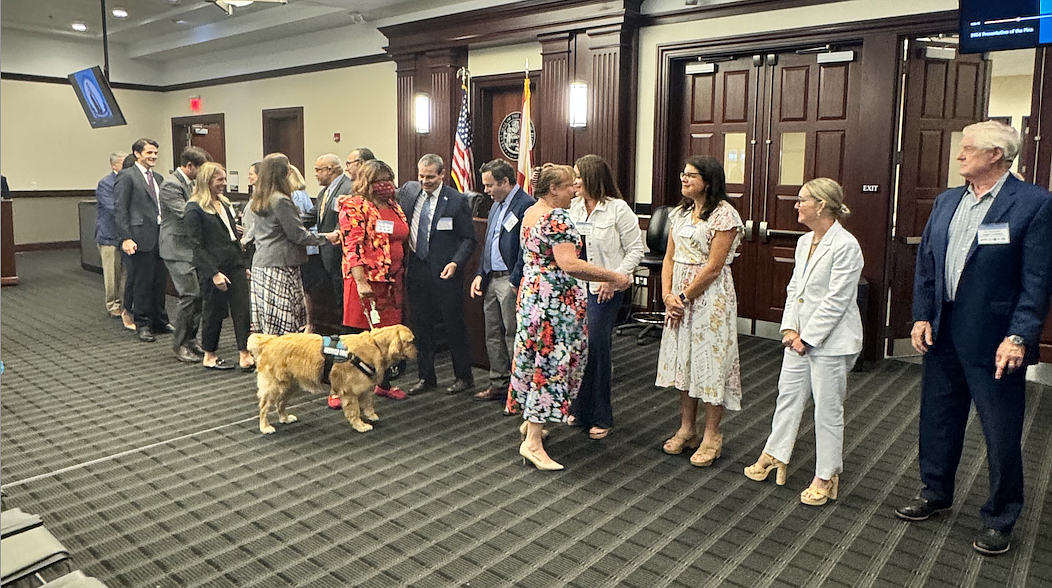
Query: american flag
point(462, 167)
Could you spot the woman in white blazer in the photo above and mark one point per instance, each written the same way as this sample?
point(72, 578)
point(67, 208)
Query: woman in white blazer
point(610, 232)
point(822, 333)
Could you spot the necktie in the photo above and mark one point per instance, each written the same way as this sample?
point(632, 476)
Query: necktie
point(149, 182)
point(423, 227)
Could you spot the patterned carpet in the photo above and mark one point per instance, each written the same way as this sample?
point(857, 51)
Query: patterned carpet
point(153, 473)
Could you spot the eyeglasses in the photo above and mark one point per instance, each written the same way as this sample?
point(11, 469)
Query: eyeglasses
point(355, 161)
point(323, 168)
point(692, 175)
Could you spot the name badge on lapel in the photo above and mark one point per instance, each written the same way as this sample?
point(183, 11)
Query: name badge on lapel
point(385, 226)
point(993, 234)
point(686, 231)
point(510, 222)
point(445, 224)
point(584, 228)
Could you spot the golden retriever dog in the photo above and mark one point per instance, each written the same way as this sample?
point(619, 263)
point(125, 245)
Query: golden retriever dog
point(295, 361)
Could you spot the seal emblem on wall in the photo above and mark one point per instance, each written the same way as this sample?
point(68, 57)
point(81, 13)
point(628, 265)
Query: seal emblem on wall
point(508, 135)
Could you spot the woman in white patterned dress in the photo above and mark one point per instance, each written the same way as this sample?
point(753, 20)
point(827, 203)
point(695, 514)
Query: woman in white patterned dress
point(699, 346)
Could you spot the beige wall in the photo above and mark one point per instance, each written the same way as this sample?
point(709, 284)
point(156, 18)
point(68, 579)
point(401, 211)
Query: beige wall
point(47, 144)
point(807, 16)
point(1010, 96)
point(359, 103)
point(500, 60)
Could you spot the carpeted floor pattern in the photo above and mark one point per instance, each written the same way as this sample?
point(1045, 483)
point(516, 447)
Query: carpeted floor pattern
point(154, 474)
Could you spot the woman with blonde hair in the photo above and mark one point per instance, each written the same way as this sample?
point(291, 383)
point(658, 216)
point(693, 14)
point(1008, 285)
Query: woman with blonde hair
point(374, 232)
point(822, 335)
point(551, 339)
point(220, 263)
point(272, 223)
point(312, 273)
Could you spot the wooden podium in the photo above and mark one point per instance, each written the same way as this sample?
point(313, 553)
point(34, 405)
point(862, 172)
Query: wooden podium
point(8, 274)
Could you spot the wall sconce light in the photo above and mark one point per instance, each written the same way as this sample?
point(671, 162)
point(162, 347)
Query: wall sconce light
point(578, 105)
point(422, 114)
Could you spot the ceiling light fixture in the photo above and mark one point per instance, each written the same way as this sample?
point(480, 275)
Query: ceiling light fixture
point(119, 13)
point(79, 26)
point(228, 6)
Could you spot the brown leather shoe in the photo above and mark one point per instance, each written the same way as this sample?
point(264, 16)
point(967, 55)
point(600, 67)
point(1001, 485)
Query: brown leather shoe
point(492, 393)
point(186, 355)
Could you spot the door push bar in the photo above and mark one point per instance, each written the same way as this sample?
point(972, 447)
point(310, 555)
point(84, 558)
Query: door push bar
point(766, 234)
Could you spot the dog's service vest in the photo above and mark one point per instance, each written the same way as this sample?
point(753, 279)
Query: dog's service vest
point(335, 352)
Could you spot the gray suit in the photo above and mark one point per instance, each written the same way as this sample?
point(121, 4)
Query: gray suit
point(279, 236)
point(177, 252)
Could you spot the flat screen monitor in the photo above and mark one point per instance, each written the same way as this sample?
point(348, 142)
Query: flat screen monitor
point(1004, 24)
point(96, 98)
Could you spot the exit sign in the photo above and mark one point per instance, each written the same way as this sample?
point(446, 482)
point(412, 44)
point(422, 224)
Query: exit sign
point(872, 188)
point(195, 104)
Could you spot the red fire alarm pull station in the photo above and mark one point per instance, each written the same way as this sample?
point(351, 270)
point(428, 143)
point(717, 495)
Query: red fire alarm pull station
point(195, 104)
point(336, 137)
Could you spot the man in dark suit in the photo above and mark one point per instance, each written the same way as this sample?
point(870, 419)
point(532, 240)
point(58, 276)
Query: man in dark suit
point(500, 271)
point(178, 253)
point(441, 239)
point(329, 172)
point(138, 226)
point(981, 293)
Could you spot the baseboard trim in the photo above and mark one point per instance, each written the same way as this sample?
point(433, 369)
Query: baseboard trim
point(46, 246)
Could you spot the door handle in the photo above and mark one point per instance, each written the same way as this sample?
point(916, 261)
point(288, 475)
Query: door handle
point(785, 233)
point(763, 231)
point(748, 230)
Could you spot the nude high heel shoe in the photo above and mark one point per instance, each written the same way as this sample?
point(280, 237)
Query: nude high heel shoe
point(522, 432)
point(817, 496)
point(529, 455)
point(707, 453)
point(676, 444)
point(760, 470)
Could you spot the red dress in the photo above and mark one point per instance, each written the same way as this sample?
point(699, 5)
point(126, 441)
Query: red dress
point(388, 293)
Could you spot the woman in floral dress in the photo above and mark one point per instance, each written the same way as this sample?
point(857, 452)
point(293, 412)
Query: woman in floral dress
point(551, 341)
point(699, 346)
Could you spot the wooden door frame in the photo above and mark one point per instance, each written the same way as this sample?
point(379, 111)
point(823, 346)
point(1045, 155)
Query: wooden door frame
point(872, 141)
point(198, 119)
point(295, 112)
point(481, 111)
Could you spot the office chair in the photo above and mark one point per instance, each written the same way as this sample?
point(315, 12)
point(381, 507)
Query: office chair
point(653, 317)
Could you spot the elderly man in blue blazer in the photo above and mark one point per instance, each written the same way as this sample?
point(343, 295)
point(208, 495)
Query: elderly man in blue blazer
point(980, 297)
point(500, 271)
point(441, 240)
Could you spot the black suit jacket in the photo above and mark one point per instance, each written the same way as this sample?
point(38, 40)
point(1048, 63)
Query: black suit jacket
point(136, 209)
point(455, 245)
point(213, 249)
point(328, 221)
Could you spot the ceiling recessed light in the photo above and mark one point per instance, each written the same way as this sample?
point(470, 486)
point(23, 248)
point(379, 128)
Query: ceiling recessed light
point(180, 21)
point(79, 27)
point(120, 13)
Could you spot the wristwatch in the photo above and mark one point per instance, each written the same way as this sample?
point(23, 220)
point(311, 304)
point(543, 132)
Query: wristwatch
point(1015, 340)
point(683, 298)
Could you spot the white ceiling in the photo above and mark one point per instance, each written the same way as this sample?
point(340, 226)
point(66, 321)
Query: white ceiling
point(170, 29)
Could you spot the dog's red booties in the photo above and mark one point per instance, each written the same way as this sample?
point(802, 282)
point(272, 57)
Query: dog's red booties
point(334, 402)
point(393, 392)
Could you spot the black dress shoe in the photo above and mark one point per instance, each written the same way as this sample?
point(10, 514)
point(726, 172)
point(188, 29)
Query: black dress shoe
point(163, 329)
point(992, 542)
point(196, 348)
point(420, 387)
point(919, 509)
point(458, 386)
point(492, 393)
point(145, 336)
point(186, 355)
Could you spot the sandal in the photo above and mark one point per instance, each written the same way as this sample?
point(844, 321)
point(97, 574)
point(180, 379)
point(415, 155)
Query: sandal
point(597, 433)
point(677, 443)
point(707, 453)
point(220, 365)
point(760, 470)
point(817, 496)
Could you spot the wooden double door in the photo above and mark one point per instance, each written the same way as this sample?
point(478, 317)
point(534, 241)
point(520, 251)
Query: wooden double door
point(775, 121)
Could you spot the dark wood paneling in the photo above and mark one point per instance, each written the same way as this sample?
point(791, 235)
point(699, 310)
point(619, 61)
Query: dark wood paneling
point(735, 97)
point(555, 141)
point(442, 66)
point(794, 90)
point(703, 91)
point(832, 91)
point(829, 154)
point(47, 246)
point(283, 133)
point(216, 145)
point(8, 271)
point(23, 194)
point(408, 140)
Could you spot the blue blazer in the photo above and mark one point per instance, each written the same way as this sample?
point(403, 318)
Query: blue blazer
point(508, 240)
point(106, 219)
point(455, 245)
point(1004, 289)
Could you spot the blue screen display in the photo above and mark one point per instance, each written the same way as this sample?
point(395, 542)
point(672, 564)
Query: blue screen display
point(96, 98)
point(1005, 24)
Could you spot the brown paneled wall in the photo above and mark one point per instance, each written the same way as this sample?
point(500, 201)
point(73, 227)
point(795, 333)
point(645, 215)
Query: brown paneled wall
point(581, 40)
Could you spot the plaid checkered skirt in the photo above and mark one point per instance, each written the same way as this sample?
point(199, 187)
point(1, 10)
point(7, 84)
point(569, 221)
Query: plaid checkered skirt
point(277, 300)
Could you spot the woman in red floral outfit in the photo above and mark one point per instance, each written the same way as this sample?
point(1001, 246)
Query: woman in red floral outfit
point(374, 232)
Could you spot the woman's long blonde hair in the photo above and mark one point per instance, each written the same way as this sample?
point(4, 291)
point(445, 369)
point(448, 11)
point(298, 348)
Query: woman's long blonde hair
point(296, 180)
point(201, 194)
